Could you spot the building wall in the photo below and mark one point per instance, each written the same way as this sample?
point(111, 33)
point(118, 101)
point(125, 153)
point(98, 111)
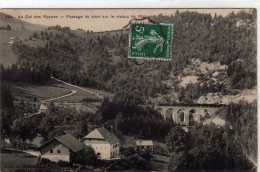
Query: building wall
point(55, 156)
point(103, 149)
point(114, 149)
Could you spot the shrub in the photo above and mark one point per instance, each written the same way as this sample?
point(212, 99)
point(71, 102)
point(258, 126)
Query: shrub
point(137, 162)
point(45, 161)
point(63, 164)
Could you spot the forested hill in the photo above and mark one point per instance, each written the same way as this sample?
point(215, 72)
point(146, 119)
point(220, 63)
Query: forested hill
point(101, 61)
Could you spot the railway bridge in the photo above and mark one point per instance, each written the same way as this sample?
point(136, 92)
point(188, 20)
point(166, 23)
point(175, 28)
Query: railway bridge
point(188, 114)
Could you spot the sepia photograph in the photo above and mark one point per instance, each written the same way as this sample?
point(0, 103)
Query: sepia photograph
point(166, 89)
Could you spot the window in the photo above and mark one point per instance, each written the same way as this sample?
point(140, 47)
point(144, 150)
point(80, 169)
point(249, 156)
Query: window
point(51, 151)
point(58, 151)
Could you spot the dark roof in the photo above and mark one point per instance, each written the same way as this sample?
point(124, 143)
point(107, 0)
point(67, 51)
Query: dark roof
point(68, 140)
point(110, 137)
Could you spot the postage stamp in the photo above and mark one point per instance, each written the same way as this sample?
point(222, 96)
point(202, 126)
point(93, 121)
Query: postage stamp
point(150, 41)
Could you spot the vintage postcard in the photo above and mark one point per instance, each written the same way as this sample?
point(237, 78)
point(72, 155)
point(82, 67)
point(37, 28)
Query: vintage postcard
point(128, 89)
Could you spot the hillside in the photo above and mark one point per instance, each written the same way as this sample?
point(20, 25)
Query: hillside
point(210, 55)
point(19, 29)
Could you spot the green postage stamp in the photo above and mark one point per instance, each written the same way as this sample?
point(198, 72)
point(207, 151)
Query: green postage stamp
point(150, 41)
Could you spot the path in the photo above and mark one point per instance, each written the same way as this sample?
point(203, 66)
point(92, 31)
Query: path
point(31, 152)
point(75, 86)
point(66, 95)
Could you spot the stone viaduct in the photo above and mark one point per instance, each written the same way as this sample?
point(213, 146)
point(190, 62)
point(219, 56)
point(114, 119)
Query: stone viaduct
point(188, 114)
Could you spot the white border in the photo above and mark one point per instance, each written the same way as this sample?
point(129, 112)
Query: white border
point(129, 4)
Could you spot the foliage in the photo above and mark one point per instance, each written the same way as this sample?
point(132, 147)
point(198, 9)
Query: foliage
point(87, 156)
point(137, 162)
point(131, 119)
point(210, 148)
point(176, 140)
point(63, 164)
point(179, 161)
point(46, 126)
point(127, 151)
point(159, 150)
point(81, 130)
point(7, 111)
point(242, 117)
point(56, 132)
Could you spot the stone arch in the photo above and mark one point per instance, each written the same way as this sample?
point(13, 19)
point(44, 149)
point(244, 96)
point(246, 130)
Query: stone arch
point(192, 116)
point(181, 116)
point(169, 113)
point(160, 111)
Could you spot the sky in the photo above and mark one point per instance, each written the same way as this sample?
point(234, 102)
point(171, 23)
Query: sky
point(97, 24)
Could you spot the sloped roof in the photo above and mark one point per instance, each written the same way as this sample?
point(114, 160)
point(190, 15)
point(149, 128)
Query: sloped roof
point(144, 143)
point(43, 107)
point(102, 133)
point(68, 140)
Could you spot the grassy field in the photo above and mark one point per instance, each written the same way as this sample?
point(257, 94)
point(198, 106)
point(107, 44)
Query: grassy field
point(28, 91)
point(10, 161)
point(54, 89)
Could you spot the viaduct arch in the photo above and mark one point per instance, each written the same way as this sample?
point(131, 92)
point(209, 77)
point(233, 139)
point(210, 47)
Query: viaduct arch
point(187, 114)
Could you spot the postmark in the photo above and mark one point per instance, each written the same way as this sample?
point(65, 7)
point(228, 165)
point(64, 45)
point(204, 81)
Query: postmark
point(150, 41)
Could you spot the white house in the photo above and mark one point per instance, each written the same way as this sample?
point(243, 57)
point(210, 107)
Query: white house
point(63, 148)
point(43, 108)
point(144, 144)
point(105, 143)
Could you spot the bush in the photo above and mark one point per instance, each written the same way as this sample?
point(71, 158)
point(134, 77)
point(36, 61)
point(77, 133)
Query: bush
point(127, 151)
point(137, 162)
point(45, 161)
point(87, 156)
point(146, 154)
point(159, 150)
point(63, 164)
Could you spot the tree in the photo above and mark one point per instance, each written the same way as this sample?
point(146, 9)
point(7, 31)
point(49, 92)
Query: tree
point(6, 123)
point(179, 162)
point(87, 156)
point(8, 27)
point(56, 132)
point(46, 126)
point(19, 130)
point(119, 124)
point(81, 130)
point(177, 140)
point(128, 151)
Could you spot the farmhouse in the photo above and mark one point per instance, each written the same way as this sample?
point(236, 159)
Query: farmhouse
point(105, 143)
point(144, 144)
point(43, 108)
point(60, 148)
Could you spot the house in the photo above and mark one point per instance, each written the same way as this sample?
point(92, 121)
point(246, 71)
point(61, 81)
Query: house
point(43, 108)
point(105, 143)
point(144, 144)
point(11, 40)
point(63, 147)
